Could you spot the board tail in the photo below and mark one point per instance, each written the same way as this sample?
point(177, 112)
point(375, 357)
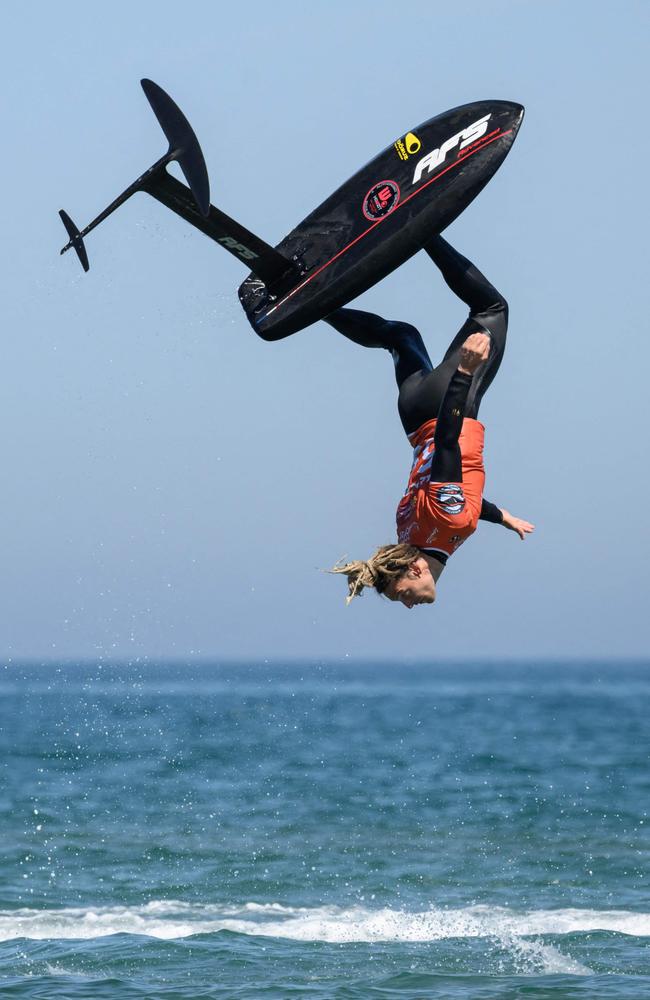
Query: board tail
point(191, 202)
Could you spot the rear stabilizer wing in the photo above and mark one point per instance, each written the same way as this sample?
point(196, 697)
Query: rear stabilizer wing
point(76, 239)
point(191, 202)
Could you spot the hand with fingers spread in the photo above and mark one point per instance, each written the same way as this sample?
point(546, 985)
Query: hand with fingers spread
point(517, 524)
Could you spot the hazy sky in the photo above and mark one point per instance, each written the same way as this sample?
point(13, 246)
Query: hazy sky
point(173, 486)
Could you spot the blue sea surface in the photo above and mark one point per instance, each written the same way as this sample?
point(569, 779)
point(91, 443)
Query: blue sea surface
point(325, 831)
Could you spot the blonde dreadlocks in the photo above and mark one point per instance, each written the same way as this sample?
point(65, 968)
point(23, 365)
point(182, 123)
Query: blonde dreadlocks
point(387, 564)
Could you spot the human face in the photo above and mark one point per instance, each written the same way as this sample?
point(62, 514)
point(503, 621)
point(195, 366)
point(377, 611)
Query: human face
point(416, 586)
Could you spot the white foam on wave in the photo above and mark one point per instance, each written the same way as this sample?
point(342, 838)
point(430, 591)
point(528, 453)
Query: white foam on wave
point(169, 919)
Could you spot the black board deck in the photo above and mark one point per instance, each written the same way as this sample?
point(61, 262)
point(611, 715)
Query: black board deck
point(383, 215)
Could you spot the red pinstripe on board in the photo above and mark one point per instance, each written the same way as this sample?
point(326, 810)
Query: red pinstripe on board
point(461, 159)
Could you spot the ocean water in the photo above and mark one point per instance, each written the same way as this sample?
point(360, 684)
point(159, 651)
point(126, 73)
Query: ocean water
point(325, 831)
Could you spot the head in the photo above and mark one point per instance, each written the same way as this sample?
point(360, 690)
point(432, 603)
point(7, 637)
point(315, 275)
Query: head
point(400, 572)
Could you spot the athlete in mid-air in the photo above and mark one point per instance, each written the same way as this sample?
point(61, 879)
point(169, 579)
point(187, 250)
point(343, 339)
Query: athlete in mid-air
point(438, 407)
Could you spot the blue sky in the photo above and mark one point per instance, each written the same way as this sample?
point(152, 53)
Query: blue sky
point(173, 486)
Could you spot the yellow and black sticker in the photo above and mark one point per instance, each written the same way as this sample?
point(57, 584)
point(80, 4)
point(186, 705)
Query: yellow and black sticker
point(407, 146)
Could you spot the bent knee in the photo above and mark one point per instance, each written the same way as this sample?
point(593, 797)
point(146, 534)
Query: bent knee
point(494, 321)
point(501, 306)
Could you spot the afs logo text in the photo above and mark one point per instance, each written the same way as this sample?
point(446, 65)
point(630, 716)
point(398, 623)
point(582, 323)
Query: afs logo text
point(231, 244)
point(463, 138)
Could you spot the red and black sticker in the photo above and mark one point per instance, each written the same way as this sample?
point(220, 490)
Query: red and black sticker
point(381, 200)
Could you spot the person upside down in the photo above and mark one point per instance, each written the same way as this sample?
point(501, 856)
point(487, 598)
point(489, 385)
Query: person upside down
point(438, 407)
